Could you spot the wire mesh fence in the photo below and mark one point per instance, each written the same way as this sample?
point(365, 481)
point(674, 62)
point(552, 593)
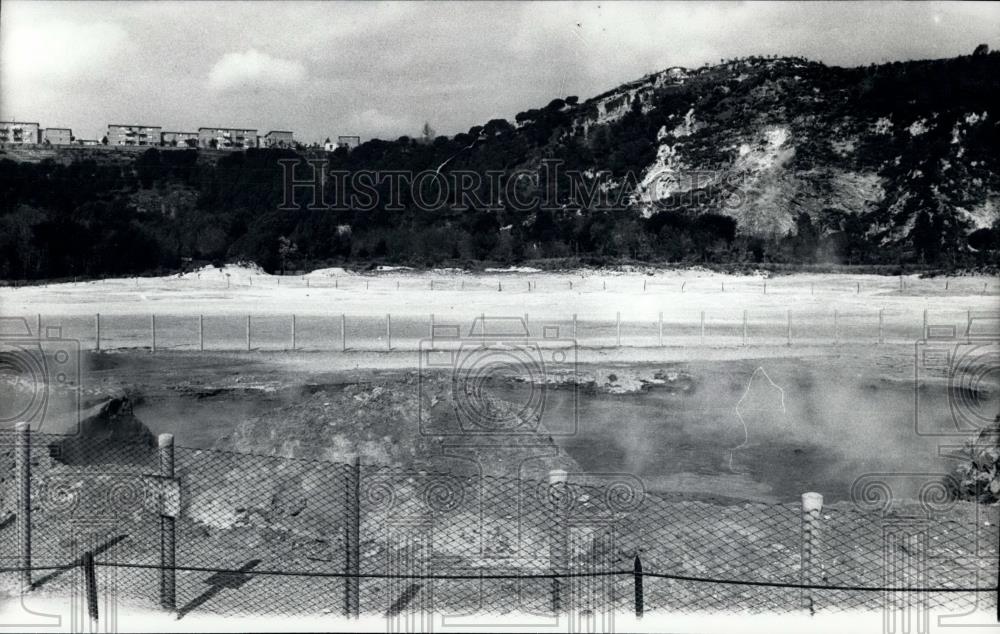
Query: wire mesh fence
point(265, 534)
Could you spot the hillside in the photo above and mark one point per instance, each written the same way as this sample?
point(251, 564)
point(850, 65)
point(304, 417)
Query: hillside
point(756, 160)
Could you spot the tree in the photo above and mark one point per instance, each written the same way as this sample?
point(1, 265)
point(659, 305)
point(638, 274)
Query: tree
point(104, 140)
point(286, 249)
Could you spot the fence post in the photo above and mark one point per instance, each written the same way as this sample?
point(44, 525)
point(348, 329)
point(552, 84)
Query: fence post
point(637, 576)
point(661, 329)
point(152, 331)
point(744, 327)
point(38, 325)
point(836, 328)
point(812, 506)
point(343, 332)
point(618, 328)
point(526, 323)
point(881, 322)
point(559, 552)
point(248, 333)
point(23, 460)
point(924, 330)
point(201, 332)
point(388, 331)
point(574, 327)
point(168, 544)
point(859, 288)
point(293, 331)
point(97, 330)
point(430, 332)
point(789, 327)
point(90, 582)
point(352, 562)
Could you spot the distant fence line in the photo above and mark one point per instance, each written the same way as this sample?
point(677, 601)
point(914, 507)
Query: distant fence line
point(358, 539)
point(344, 332)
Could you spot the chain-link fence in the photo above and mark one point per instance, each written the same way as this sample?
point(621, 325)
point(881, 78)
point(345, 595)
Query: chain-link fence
point(226, 533)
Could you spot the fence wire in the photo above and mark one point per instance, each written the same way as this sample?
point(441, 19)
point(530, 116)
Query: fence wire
point(267, 534)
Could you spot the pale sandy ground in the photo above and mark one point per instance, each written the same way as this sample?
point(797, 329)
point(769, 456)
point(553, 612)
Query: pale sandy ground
point(320, 299)
point(127, 618)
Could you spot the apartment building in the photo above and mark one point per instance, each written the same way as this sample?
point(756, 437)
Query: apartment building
point(57, 136)
point(120, 134)
point(279, 138)
point(179, 139)
point(227, 138)
point(19, 132)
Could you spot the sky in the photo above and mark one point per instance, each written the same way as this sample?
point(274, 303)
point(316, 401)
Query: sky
point(323, 69)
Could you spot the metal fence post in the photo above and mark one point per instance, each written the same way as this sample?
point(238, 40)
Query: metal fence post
point(923, 331)
point(527, 323)
point(430, 332)
point(23, 462)
point(618, 329)
point(812, 506)
point(637, 577)
point(152, 331)
point(881, 322)
point(97, 330)
point(201, 332)
point(168, 537)
point(352, 564)
point(90, 583)
point(293, 331)
point(38, 325)
point(343, 332)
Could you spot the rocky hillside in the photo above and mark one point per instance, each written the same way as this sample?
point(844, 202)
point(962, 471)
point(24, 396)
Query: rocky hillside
point(906, 150)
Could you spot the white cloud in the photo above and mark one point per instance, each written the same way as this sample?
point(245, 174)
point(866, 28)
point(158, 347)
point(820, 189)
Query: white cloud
point(253, 69)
